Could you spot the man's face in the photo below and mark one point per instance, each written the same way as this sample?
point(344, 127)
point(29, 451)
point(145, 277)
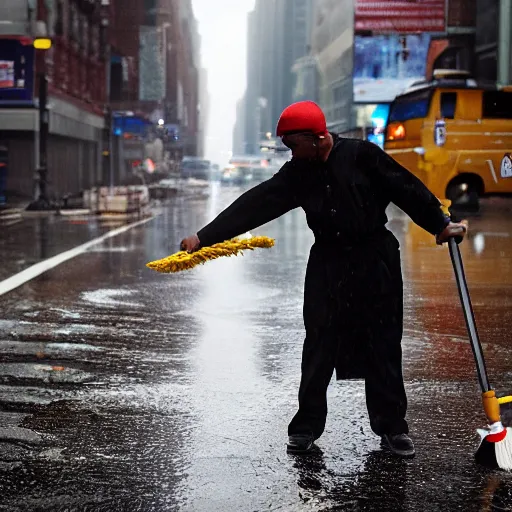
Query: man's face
point(306, 145)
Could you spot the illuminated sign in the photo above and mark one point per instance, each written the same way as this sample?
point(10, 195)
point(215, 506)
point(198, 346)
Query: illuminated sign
point(400, 16)
point(6, 74)
point(385, 65)
point(16, 72)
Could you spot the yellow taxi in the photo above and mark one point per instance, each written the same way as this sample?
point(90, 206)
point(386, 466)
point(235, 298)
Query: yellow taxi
point(455, 134)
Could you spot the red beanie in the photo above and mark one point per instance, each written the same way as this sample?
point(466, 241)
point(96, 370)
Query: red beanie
point(303, 116)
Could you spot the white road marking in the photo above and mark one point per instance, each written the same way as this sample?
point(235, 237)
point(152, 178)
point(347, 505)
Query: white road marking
point(29, 273)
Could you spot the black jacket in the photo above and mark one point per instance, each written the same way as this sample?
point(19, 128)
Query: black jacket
point(344, 198)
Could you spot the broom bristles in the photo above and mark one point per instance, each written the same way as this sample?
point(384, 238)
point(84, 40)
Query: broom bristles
point(504, 452)
point(495, 450)
point(184, 260)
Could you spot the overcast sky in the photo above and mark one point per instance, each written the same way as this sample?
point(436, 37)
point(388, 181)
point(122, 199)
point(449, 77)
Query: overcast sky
point(223, 29)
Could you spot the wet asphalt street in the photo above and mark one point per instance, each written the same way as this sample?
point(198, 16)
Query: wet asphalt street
point(123, 390)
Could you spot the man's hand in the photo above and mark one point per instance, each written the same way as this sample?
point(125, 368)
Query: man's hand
point(190, 244)
point(454, 229)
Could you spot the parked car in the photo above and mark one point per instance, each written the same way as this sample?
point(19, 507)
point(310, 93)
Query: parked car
point(192, 167)
point(233, 175)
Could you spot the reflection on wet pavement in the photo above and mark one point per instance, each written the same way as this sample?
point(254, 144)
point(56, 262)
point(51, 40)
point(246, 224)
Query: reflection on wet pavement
point(37, 238)
point(122, 389)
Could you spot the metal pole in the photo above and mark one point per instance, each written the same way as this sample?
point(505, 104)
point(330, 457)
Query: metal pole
point(111, 159)
point(107, 165)
point(504, 64)
point(43, 139)
point(35, 191)
point(110, 138)
point(469, 316)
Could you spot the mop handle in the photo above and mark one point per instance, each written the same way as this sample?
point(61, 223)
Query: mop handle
point(468, 314)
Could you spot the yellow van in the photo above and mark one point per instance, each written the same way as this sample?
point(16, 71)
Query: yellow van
point(455, 135)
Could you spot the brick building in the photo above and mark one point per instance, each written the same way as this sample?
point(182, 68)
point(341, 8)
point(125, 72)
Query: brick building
point(76, 70)
point(154, 74)
point(116, 71)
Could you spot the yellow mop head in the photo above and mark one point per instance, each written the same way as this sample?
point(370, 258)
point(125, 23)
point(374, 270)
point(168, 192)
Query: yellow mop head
point(184, 260)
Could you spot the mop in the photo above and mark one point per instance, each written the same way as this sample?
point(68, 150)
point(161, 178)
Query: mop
point(495, 449)
point(184, 260)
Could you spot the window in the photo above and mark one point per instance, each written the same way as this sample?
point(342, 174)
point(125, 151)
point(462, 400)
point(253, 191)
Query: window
point(410, 106)
point(95, 40)
point(448, 104)
point(84, 37)
point(497, 104)
point(74, 31)
point(59, 22)
point(150, 10)
point(103, 41)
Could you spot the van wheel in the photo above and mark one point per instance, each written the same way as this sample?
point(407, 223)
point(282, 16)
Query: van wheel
point(464, 193)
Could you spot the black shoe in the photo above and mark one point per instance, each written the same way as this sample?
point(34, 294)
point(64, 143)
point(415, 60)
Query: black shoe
point(300, 444)
point(398, 444)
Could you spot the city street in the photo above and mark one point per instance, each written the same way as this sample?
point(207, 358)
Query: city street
point(122, 389)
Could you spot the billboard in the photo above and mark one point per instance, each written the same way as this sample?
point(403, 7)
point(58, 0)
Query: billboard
point(16, 72)
point(391, 45)
point(385, 65)
point(400, 16)
point(6, 74)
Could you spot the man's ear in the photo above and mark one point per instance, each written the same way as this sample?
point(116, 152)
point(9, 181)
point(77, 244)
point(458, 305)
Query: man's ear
point(286, 142)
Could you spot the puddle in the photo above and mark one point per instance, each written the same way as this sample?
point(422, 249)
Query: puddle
point(43, 373)
point(111, 249)
point(48, 349)
point(66, 313)
point(52, 454)
point(110, 297)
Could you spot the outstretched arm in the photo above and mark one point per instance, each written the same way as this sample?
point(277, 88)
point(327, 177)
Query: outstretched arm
point(257, 206)
point(403, 188)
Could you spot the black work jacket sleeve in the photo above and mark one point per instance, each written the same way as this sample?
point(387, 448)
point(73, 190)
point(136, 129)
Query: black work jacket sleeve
point(259, 205)
point(402, 188)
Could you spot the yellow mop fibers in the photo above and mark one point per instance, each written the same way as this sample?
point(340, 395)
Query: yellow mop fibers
point(184, 260)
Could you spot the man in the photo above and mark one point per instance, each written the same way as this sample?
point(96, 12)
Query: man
point(353, 291)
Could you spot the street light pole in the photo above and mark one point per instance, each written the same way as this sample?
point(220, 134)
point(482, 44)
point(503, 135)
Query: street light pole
point(43, 140)
point(42, 44)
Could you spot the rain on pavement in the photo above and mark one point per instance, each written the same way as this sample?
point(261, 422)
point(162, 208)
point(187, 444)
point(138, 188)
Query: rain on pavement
point(124, 389)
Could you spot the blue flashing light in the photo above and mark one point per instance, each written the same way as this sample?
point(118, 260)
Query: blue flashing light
point(379, 122)
point(380, 115)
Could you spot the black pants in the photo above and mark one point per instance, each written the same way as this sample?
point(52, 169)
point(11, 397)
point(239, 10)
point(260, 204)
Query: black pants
point(344, 331)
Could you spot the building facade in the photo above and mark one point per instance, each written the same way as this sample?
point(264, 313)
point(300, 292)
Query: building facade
point(306, 79)
point(75, 67)
point(204, 112)
point(278, 35)
point(121, 74)
point(156, 75)
point(493, 49)
point(486, 47)
point(355, 56)
point(261, 81)
point(332, 42)
point(293, 25)
point(239, 147)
